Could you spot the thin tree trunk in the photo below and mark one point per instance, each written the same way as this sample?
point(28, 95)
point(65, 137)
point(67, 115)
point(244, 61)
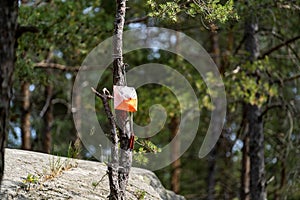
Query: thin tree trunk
point(254, 119)
point(48, 121)
point(25, 118)
point(175, 166)
point(8, 28)
point(123, 119)
point(113, 166)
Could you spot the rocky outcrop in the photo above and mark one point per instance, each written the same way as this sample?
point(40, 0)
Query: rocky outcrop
point(32, 175)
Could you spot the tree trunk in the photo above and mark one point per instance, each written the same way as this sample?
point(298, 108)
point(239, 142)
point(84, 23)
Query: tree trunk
point(48, 121)
point(25, 118)
point(8, 28)
point(215, 50)
point(278, 192)
point(245, 177)
point(211, 178)
point(123, 119)
point(175, 166)
point(255, 122)
point(257, 165)
point(76, 142)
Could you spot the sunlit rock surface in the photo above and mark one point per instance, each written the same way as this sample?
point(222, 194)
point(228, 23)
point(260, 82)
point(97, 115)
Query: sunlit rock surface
point(28, 176)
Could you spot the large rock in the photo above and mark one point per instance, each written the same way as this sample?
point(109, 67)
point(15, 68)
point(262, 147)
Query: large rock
point(28, 175)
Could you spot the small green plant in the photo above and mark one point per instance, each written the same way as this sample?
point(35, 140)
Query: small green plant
point(30, 181)
point(140, 194)
point(74, 150)
point(95, 184)
point(56, 166)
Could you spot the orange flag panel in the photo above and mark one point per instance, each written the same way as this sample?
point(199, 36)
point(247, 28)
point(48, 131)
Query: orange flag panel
point(125, 98)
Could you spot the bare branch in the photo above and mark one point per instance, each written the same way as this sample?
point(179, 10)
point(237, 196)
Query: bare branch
point(278, 47)
point(57, 66)
point(97, 93)
point(106, 94)
point(289, 46)
point(65, 68)
point(26, 29)
point(113, 166)
point(45, 107)
point(292, 78)
point(239, 45)
point(269, 107)
point(137, 20)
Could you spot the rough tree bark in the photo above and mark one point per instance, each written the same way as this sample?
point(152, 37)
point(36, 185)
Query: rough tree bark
point(119, 167)
point(113, 165)
point(8, 28)
point(255, 122)
point(25, 118)
point(119, 78)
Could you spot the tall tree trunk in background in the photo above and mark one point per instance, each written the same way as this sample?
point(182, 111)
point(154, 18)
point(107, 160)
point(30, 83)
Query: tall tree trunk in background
point(278, 192)
point(8, 28)
point(255, 122)
point(175, 148)
point(76, 142)
point(211, 176)
point(25, 118)
point(48, 121)
point(216, 55)
point(245, 174)
point(215, 48)
point(257, 165)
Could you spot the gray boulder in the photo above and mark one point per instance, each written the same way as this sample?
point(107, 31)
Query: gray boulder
point(32, 175)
